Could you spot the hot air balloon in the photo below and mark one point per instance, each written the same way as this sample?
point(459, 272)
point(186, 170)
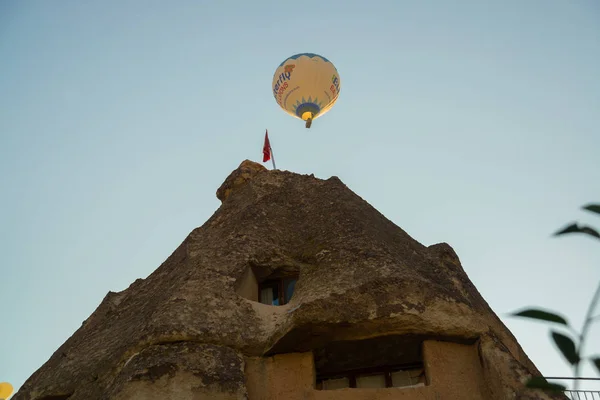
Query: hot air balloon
point(306, 86)
point(6, 390)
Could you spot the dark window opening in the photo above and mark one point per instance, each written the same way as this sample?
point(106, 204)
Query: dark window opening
point(381, 362)
point(373, 378)
point(277, 292)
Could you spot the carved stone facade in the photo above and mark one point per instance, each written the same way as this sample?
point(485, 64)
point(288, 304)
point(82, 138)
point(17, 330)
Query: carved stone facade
point(296, 288)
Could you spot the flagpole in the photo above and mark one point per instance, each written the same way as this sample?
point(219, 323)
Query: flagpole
point(272, 156)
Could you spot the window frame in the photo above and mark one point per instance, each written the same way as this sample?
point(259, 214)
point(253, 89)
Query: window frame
point(278, 283)
point(386, 371)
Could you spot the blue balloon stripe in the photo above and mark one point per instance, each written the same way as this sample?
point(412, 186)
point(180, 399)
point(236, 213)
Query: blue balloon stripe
point(311, 55)
point(304, 107)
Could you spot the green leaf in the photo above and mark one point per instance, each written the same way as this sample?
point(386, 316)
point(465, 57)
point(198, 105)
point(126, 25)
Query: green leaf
point(542, 315)
point(538, 382)
point(566, 346)
point(574, 228)
point(596, 362)
point(595, 208)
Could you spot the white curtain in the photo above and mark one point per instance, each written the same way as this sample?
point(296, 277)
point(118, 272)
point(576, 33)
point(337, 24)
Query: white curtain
point(332, 384)
point(266, 296)
point(370, 381)
point(413, 377)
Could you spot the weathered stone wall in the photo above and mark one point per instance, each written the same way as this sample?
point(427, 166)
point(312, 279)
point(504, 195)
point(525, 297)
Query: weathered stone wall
point(185, 371)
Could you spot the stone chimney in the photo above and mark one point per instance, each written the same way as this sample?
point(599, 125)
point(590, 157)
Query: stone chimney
point(296, 288)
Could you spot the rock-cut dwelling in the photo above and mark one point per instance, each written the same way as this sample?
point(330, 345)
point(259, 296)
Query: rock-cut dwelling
point(295, 288)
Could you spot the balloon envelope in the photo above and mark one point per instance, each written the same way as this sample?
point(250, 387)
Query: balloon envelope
point(6, 390)
point(306, 86)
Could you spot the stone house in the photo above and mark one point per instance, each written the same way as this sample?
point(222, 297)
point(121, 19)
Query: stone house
point(295, 288)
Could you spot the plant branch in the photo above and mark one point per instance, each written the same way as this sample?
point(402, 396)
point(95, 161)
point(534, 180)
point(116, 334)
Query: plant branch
point(586, 325)
point(577, 334)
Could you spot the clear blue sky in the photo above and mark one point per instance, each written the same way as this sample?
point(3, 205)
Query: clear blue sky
point(474, 122)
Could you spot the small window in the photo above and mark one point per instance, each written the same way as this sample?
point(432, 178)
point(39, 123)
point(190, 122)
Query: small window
point(277, 292)
point(374, 378)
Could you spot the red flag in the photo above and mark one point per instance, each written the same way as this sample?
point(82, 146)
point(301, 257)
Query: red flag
point(266, 148)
